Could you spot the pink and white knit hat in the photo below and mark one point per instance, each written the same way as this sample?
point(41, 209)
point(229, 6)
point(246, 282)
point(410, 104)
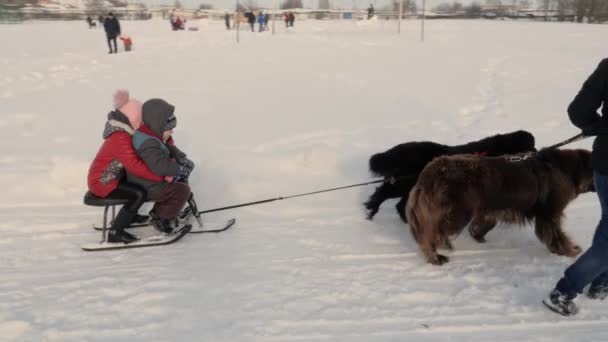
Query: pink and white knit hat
point(131, 108)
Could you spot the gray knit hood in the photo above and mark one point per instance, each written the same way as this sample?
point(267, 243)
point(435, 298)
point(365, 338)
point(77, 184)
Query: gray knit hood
point(157, 114)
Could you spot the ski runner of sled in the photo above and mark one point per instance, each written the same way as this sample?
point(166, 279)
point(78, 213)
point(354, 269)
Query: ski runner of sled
point(154, 144)
point(106, 177)
point(592, 266)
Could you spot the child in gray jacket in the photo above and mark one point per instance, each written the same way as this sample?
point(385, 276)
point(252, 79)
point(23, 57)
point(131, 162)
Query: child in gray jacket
point(154, 145)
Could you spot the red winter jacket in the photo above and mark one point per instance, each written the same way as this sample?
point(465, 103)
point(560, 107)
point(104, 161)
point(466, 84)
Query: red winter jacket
point(116, 153)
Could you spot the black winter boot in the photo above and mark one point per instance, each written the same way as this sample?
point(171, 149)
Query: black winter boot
point(120, 236)
point(598, 292)
point(561, 303)
point(139, 219)
point(162, 225)
point(122, 220)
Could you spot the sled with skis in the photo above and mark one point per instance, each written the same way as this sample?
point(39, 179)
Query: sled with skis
point(109, 204)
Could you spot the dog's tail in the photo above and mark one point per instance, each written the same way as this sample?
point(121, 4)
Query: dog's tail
point(411, 208)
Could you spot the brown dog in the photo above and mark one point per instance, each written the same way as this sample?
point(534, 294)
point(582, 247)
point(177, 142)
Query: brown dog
point(454, 191)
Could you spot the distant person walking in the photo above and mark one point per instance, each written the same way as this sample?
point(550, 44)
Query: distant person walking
point(91, 22)
point(292, 18)
point(251, 20)
point(112, 27)
point(227, 20)
point(261, 21)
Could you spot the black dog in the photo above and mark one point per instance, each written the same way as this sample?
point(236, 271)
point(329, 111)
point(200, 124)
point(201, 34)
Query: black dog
point(402, 164)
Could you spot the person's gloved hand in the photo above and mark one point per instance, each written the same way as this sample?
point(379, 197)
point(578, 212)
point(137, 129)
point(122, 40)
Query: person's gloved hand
point(183, 173)
point(187, 163)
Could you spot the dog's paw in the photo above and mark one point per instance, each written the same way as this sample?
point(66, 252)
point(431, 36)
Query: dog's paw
point(438, 259)
point(480, 239)
point(370, 210)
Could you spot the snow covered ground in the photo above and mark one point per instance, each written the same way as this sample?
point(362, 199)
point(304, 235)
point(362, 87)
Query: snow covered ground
point(278, 115)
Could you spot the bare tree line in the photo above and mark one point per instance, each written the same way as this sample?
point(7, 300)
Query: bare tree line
point(580, 10)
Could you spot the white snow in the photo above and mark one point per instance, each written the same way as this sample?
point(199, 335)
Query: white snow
point(272, 116)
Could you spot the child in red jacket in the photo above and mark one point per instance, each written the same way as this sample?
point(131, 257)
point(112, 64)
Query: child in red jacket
point(106, 176)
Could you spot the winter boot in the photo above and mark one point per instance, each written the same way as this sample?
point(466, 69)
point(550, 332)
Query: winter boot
point(598, 292)
point(140, 219)
point(122, 220)
point(561, 303)
point(162, 225)
point(115, 235)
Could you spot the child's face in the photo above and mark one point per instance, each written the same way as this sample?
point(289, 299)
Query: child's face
point(167, 135)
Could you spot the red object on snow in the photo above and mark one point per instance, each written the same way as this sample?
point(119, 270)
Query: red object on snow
point(126, 40)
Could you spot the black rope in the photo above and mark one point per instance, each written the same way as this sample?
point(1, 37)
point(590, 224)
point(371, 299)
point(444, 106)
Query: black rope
point(292, 196)
point(577, 137)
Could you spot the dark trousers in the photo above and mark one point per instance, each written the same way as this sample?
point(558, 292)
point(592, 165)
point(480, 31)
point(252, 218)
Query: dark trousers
point(136, 197)
point(170, 202)
point(592, 266)
point(112, 39)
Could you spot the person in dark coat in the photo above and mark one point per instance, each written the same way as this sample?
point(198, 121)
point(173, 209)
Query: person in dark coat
point(251, 20)
point(112, 27)
point(592, 266)
point(154, 145)
point(227, 20)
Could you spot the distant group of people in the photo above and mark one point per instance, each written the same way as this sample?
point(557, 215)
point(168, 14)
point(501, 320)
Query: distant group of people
point(262, 20)
point(111, 26)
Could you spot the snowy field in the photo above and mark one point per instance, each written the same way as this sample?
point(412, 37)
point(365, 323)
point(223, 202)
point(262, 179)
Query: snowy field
point(272, 116)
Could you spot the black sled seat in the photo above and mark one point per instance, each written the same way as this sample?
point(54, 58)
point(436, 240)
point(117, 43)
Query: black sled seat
point(92, 200)
point(107, 202)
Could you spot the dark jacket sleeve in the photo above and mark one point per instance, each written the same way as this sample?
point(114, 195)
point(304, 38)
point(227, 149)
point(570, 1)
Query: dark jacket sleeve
point(583, 109)
point(150, 151)
point(123, 151)
point(175, 152)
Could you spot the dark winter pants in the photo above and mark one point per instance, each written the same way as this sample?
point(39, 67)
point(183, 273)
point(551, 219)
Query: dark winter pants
point(135, 195)
point(171, 201)
point(112, 39)
point(592, 266)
